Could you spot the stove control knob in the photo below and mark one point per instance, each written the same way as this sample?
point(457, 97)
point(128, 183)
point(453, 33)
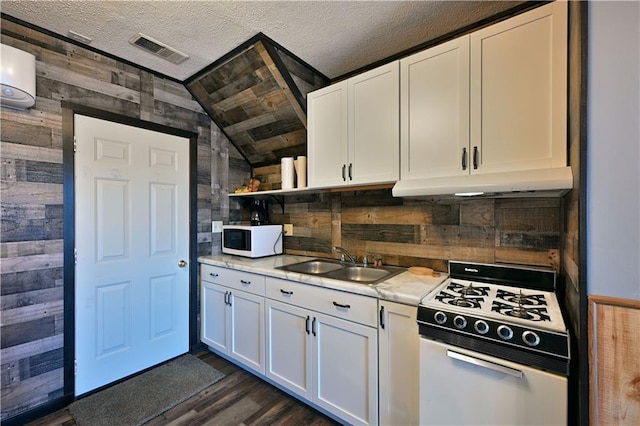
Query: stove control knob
point(481, 327)
point(440, 317)
point(505, 332)
point(460, 322)
point(531, 338)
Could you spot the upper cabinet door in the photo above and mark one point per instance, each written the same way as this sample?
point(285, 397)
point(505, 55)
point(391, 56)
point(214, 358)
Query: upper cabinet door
point(434, 130)
point(327, 136)
point(374, 132)
point(518, 92)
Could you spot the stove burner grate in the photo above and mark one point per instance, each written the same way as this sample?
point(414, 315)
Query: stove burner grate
point(468, 290)
point(538, 313)
point(521, 298)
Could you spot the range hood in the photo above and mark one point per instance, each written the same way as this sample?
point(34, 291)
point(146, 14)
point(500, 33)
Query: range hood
point(551, 182)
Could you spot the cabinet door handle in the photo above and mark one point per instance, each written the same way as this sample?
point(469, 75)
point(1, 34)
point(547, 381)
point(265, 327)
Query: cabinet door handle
point(382, 317)
point(214, 275)
point(339, 305)
point(464, 158)
point(344, 168)
point(350, 171)
point(285, 292)
point(226, 294)
point(475, 157)
point(229, 298)
point(306, 324)
point(313, 326)
point(245, 282)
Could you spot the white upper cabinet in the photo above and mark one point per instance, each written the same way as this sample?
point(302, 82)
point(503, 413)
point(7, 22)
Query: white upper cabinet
point(353, 130)
point(488, 110)
point(519, 92)
point(434, 132)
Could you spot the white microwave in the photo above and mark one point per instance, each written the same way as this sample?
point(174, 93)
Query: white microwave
point(252, 240)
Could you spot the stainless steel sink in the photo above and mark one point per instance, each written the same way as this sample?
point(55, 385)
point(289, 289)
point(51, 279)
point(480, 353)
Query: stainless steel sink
point(359, 273)
point(343, 271)
point(313, 267)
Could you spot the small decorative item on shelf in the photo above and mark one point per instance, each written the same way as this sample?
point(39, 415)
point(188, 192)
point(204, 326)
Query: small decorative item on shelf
point(253, 186)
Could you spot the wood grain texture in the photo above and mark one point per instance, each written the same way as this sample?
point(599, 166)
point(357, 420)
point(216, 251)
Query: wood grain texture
point(31, 182)
point(614, 357)
point(252, 99)
point(238, 399)
point(425, 233)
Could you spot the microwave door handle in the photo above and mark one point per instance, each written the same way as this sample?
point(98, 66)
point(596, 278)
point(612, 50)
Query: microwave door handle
point(485, 364)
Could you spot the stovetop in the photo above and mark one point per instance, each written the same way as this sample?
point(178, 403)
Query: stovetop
point(534, 308)
point(505, 311)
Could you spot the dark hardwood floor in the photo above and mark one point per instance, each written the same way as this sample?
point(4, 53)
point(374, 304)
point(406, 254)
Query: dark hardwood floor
point(239, 398)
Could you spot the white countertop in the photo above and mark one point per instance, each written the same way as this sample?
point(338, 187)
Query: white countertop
point(404, 288)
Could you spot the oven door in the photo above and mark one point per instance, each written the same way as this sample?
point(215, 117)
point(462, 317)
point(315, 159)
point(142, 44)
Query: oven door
point(458, 386)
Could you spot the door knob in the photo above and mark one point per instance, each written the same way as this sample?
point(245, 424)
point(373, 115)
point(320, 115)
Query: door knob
point(182, 263)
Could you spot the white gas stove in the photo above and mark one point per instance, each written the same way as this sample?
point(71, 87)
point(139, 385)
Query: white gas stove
point(493, 340)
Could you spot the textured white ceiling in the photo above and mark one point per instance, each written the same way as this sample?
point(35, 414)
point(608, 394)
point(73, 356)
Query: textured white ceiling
point(335, 37)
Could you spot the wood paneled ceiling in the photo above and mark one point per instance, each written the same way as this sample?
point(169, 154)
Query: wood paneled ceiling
point(257, 95)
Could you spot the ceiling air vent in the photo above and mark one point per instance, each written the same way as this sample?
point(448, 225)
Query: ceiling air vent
point(157, 48)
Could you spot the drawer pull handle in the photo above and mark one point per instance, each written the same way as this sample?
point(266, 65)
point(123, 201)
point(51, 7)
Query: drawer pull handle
point(285, 292)
point(306, 324)
point(245, 282)
point(212, 274)
point(339, 305)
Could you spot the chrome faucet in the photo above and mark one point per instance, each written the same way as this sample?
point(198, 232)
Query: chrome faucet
point(344, 254)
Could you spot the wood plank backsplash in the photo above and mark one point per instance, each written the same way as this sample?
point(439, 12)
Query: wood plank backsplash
point(424, 232)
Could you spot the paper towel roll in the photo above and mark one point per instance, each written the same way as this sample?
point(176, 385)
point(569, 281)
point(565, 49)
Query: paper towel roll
point(301, 171)
point(287, 172)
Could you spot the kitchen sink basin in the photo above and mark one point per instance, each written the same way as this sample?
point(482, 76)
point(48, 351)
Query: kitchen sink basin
point(313, 267)
point(343, 271)
point(359, 273)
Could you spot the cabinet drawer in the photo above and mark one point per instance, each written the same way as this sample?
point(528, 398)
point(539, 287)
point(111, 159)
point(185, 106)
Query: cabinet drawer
point(239, 280)
point(349, 306)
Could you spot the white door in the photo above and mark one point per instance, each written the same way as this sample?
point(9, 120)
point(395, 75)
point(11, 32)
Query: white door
point(132, 231)
point(346, 369)
point(247, 329)
point(374, 125)
point(289, 347)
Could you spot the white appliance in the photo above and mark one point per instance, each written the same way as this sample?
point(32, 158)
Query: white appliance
point(494, 348)
point(252, 240)
point(17, 77)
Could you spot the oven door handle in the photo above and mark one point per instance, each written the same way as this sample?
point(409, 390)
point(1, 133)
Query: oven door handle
point(485, 364)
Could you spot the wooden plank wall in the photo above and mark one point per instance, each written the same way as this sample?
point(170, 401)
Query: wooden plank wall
point(614, 358)
point(426, 232)
point(31, 241)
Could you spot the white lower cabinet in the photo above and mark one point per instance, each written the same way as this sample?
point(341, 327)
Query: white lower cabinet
point(322, 357)
point(399, 348)
point(232, 320)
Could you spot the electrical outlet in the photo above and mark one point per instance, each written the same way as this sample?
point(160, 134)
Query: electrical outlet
point(288, 229)
point(216, 226)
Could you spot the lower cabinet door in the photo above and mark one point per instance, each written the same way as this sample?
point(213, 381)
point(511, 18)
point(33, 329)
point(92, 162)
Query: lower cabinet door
point(247, 329)
point(345, 369)
point(214, 324)
point(289, 347)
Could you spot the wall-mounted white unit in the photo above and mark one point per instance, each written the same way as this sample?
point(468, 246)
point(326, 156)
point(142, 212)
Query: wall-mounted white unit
point(18, 78)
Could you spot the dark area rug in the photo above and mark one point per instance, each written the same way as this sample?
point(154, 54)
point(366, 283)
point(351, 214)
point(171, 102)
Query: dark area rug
point(141, 398)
